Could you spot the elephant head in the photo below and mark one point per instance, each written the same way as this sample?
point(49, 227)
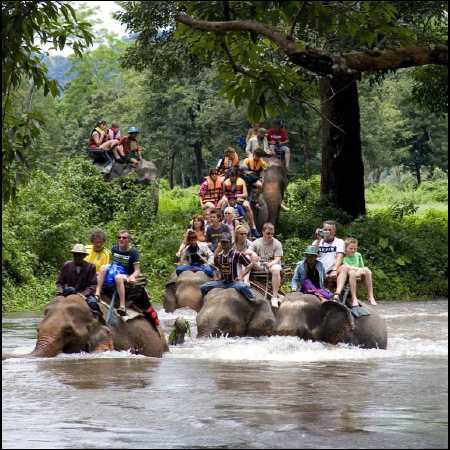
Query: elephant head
point(184, 291)
point(298, 315)
point(227, 312)
point(69, 326)
point(275, 182)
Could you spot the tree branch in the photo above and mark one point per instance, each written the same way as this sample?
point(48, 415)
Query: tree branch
point(236, 68)
point(322, 63)
point(317, 111)
point(294, 21)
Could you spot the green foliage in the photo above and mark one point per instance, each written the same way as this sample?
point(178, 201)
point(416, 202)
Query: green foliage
point(51, 213)
point(407, 253)
point(389, 193)
point(27, 27)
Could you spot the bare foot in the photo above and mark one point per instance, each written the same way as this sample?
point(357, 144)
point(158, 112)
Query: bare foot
point(355, 302)
point(372, 301)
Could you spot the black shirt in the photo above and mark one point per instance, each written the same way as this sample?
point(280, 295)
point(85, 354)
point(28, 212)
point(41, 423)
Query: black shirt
point(126, 259)
point(213, 234)
point(313, 275)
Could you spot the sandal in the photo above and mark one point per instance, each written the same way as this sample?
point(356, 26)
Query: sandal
point(121, 311)
point(336, 297)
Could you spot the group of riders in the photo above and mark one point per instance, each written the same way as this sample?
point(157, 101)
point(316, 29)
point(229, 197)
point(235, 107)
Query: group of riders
point(108, 145)
point(223, 241)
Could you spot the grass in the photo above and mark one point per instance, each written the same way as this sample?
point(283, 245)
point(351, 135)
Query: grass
point(422, 208)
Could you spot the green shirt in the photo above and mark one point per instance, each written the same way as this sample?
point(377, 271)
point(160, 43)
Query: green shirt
point(354, 261)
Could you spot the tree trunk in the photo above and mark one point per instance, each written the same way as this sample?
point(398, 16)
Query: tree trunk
point(172, 167)
point(342, 165)
point(198, 160)
point(418, 175)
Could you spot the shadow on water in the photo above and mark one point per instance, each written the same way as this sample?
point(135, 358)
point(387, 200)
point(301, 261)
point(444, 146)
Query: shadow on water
point(101, 373)
point(318, 399)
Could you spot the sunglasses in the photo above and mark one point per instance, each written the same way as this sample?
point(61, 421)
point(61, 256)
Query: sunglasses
point(122, 237)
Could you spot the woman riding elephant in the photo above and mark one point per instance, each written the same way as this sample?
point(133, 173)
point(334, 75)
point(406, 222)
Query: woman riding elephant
point(305, 316)
point(69, 326)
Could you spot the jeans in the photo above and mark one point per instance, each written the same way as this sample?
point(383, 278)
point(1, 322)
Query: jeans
point(196, 268)
point(93, 304)
point(241, 287)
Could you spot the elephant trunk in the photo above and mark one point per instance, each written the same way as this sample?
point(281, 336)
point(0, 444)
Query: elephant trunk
point(47, 346)
point(273, 197)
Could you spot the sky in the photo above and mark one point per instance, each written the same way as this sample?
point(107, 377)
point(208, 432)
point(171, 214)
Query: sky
point(104, 14)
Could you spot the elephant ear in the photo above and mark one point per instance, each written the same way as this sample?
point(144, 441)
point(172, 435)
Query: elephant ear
point(172, 280)
point(336, 322)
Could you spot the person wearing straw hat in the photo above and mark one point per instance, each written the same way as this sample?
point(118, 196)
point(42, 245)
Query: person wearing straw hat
point(78, 277)
point(309, 275)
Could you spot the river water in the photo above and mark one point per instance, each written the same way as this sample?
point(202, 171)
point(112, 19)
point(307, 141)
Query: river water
point(272, 392)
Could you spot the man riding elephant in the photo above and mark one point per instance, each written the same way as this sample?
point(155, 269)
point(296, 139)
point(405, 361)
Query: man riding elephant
point(125, 267)
point(228, 262)
point(78, 277)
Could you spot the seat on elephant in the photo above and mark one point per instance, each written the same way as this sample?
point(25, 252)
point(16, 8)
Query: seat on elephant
point(261, 281)
point(137, 302)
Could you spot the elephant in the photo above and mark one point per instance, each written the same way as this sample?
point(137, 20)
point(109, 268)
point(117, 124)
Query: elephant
point(145, 171)
point(275, 183)
point(184, 291)
point(227, 312)
point(70, 326)
point(305, 316)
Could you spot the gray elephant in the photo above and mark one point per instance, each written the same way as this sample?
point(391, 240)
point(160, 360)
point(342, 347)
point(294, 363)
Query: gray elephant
point(227, 312)
point(145, 171)
point(275, 183)
point(184, 291)
point(69, 326)
point(303, 315)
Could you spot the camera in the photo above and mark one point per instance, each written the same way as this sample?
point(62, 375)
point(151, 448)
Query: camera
point(323, 233)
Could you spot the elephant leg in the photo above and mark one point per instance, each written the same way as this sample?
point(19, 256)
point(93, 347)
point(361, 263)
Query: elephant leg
point(169, 299)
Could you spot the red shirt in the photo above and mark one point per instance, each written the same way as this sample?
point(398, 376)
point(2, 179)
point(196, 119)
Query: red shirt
point(129, 145)
point(277, 135)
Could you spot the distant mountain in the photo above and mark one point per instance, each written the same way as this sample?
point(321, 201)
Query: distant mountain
point(58, 68)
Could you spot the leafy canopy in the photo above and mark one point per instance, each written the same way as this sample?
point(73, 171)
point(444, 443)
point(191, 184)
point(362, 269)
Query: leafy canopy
point(27, 27)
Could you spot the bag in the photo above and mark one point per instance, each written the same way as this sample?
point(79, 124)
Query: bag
point(113, 270)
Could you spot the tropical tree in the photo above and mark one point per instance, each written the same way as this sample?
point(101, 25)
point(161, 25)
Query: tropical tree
point(268, 53)
point(27, 27)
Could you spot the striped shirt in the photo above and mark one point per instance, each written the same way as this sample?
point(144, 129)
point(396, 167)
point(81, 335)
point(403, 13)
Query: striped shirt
point(228, 264)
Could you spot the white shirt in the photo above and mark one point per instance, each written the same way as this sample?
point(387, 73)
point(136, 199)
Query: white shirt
point(328, 252)
point(253, 144)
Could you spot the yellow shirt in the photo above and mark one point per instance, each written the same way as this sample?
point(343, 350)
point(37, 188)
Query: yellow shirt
point(256, 166)
point(98, 258)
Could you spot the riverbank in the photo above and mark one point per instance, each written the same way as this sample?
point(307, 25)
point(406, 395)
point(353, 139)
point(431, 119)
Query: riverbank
point(406, 250)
